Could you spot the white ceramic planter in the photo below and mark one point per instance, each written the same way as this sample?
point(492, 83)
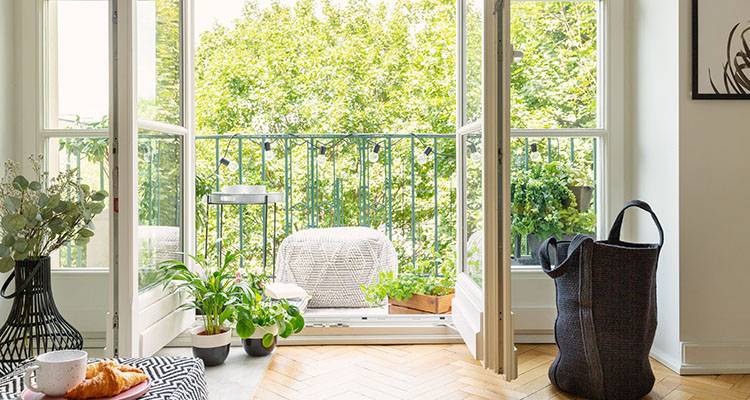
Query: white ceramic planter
point(261, 331)
point(210, 341)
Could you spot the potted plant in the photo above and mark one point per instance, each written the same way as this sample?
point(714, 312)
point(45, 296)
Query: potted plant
point(543, 205)
point(410, 293)
point(37, 217)
point(260, 321)
point(214, 292)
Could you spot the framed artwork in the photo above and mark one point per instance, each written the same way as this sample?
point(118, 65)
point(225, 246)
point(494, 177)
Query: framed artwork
point(721, 49)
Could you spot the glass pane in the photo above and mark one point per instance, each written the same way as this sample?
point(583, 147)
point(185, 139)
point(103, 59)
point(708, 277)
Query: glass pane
point(553, 192)
point(160, 61)
point(554, 85)
point(159, 203)
point(77, 62)
point(473, 212)
point(90, 157)
point(473, 59)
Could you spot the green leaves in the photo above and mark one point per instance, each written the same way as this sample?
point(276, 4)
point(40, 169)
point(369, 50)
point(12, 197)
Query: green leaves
point(6, 264)
point(267, 340)
point(21, 183)
point(38, 217)
point(245, 328)
point(405, 285)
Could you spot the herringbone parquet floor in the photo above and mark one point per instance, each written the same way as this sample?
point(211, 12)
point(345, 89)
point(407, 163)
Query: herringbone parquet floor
point(446, 372)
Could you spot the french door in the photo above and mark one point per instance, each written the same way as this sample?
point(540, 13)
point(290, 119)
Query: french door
point(481, 307)
point(153, 167)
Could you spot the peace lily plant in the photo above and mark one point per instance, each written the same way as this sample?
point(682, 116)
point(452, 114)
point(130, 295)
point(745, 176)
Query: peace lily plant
point(38, 216)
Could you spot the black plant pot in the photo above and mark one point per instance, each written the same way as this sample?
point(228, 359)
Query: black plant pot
point(34, 325)
point(212, 356)
point(212, 349)
point(255, 348)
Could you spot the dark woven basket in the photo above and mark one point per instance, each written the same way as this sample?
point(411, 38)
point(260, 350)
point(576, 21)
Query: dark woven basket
point(34, 325)
point(606, 312)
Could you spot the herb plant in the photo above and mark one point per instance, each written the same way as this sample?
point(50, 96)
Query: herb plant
point(403, 286)
point(38, 216)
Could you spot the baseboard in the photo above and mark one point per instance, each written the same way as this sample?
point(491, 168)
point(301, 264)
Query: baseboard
point(715, 358)
point(669, 362)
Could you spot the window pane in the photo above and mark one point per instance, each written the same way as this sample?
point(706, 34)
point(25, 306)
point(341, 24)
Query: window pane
point(90, 156)
point(77, 58)
point(553, 192)
point(160, 61)
point(554, 85)
point(159, 203)
point(473, 212)
point(473, 59)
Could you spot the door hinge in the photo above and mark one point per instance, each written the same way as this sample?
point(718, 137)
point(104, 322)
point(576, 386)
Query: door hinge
point(114, 17)
point(498, 7)
point(115, 321)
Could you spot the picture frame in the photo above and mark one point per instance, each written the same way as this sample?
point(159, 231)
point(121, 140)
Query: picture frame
point(720, 60)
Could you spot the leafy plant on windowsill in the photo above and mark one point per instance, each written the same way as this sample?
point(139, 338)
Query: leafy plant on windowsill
point(542, 203)
point(214, 290)
point(403, 286)
point(253, 312)
point(38, 218)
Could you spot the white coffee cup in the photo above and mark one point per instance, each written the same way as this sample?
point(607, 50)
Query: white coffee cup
point(56, 372)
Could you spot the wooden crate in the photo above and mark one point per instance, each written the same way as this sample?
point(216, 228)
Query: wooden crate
point(421, 304)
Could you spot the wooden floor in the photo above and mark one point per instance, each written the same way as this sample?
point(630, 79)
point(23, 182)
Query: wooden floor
point(446, 372)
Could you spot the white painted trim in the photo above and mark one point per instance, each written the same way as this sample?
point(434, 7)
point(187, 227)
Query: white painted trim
point(666, 360)
point(158, 335)
point(715, 358)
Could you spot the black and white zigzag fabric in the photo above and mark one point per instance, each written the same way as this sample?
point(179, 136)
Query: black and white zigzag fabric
point(173, 378)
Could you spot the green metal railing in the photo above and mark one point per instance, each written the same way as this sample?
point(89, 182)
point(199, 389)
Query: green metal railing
point(401, 184)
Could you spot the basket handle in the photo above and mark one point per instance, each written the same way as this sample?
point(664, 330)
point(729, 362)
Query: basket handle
point(19, 288)
point(614, 233)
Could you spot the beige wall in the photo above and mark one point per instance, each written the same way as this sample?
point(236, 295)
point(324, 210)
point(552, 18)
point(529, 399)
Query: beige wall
point(689, 159)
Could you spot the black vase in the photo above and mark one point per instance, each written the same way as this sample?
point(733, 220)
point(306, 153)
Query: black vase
point(34, 325)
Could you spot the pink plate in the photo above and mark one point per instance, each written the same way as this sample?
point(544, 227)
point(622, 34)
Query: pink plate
point(131, 394)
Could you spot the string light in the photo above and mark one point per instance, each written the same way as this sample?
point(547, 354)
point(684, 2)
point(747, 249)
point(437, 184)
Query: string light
point(422, 157)
point(270, 155)
point(375, 153)
point(535, 156)
point(474, 153)
point(229, 164)
point(321, 156)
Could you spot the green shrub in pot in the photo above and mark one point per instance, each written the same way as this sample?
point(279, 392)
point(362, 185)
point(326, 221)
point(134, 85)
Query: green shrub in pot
point(403, 286)
point(260, 320)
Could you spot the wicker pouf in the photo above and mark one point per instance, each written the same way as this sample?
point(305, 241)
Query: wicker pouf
point(331, 264)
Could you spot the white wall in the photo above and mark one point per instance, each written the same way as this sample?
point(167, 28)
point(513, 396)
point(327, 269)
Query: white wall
point(7, 95)
point(688, 159)
point(653, 145)
point(714, 221)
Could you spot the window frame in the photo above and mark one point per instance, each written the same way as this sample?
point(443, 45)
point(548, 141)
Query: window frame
point(608, 136)
point(44, 134)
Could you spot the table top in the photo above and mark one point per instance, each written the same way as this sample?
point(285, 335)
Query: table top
point(236, 199)
point(172, 378)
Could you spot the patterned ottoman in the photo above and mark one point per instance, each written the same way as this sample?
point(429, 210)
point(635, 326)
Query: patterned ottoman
point(173, 378)
point(332, 263)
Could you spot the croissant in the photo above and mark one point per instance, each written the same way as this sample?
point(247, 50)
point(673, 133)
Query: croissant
point(106, 379)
